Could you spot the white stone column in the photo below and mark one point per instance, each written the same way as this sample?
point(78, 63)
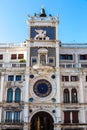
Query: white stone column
point(82, 116)
point(76, 58)
point(1, 93)
point(57, 55)
point(2, 87)
point(57, 74)
point(26, 96)
point(26, 114)
point(81, 98)
point(14, 95)
point(57, 30)
point(26, 88)
point(70, 117)
point(58, 90)
point(58, 99)
point(29, 24)
point(12, 116)
point(81, 88)
point(58, 115)
point(28, 55)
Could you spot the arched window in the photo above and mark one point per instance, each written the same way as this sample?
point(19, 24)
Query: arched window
point(9, 95)
point(66, 96)
point(74, 95)
point(17, 95)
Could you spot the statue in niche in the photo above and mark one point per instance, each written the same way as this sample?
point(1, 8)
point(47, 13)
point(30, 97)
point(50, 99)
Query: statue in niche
point(43, 59)
point(41, 35)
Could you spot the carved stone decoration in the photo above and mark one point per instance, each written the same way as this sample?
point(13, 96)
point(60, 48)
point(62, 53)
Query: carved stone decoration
point(41, 35)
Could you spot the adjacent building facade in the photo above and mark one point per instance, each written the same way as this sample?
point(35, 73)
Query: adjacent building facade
point(43, 82)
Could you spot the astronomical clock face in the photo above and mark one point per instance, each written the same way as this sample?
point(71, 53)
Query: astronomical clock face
point(42, 88)
point(43, 33)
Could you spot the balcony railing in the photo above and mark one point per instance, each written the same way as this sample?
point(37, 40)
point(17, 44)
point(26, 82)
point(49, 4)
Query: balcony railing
point(13, 122)
point(18, 102)
point(23, 65)
point(70, 101)
point(73, 65)
point(71, 121)
point(12, 65)
point(67, 121)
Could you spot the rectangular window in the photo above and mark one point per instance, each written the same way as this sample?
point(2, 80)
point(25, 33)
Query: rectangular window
point(75, 117)
point(67, 117)
point(33, 60)
point(65, 78)
point(17, 116)
point(68, 65)
point(51, 61)
point(83, 57)
point(74, 78)
point(83, 65)
point(10, 77)
point(18, 77)
point(66, 57)
point(9, 116)
point(13, 56)
point(1, 57)
point(20, 56)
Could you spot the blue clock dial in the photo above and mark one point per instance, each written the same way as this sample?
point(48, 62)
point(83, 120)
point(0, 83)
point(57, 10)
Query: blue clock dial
point(42, 88)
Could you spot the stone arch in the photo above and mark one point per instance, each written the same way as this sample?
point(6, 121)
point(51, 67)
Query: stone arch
point(42, 120)
point(51, 114)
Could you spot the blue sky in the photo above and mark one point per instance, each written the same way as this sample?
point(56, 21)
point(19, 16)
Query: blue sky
point(72, 16)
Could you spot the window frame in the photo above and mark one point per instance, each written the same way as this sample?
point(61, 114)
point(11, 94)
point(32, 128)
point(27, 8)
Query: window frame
point(66, 57)
point(36, 58)
point(74, 95)
point(17, 95)
point(1, 56)
point(18, 78)
point(10, 95)
point(17, 116)
point(21, 56)
point(65, 78)
point(13, 56)
point(10, 77)
point(74, 78)
point(66, 116)
point(82, 57)
point(53, 63)
point(75, 118)
point(66, 96)
point(8, 117)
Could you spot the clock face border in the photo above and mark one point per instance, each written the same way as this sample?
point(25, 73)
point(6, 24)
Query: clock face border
point(50, 31)
point(42, 88)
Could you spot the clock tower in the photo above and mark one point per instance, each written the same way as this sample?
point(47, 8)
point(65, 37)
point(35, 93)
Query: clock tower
point(42, 110)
